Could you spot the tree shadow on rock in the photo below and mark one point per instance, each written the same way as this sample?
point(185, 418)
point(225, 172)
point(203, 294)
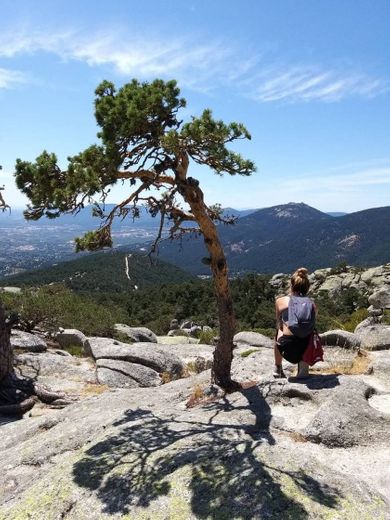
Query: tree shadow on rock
point(153, 455)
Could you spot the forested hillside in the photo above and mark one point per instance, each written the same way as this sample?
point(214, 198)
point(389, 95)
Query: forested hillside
point(106, 272)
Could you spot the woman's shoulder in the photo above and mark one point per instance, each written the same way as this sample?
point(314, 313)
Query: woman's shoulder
point(282, 301)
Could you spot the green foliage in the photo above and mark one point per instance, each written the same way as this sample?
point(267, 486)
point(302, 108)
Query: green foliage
point(341, 267)
point(103, 272)
point(121, 336)
point(335, 312)
point(247, 353)
point(55, 306)
point(206, 140)
point(94, 240)
point(386, 317)
point(254, 299)
point(103, 298)
point(75, 350)
point(136, 116)
point(354, 319)
point(206, 337)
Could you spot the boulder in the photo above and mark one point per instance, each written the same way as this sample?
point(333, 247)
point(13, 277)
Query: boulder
point(381, 298)
point(196, 357)
point(374, 337)
point(122, 374)
point(340, 338)
point(174, 324)
point(254, 339)
point(373, 276)
point(187, 324)
point(70, 337)
point(333, 285)
point(136, 334)
point(374, 311)
point(179, 332)
point(371, 320)
point(347, 419)
point(27, 341)
point(195, 331)
point(146, 354)
point(57, 371)
point(11, 290)
point(114, 379)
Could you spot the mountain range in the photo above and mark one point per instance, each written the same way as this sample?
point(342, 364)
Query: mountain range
point(281, 238)
point(268, 240)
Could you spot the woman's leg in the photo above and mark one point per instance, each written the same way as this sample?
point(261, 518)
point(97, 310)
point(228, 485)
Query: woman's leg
point(278, 355)
point(278, 370)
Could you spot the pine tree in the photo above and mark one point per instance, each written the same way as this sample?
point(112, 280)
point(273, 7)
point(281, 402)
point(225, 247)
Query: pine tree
point(145, 145)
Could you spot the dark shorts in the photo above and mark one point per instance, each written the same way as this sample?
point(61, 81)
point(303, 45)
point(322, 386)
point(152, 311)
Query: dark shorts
point(292, 348)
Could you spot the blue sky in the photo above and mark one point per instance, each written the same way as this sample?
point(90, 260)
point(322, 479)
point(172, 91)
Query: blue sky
point(309, 79)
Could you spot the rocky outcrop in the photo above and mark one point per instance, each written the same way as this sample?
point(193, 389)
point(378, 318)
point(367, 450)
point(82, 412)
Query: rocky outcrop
point(61, 373)
point(195, 357)
point(253, 339)
point(374, 337)
point(340, 338)
point(375, 280)
point(142, 453)
point(347, 419)
point(27, 341)
point(136, 334)
point(122, 374)
point(145, 354)
point(72, 337)
point(380, 299)
point(187, 328)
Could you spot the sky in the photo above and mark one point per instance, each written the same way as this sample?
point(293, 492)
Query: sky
point(309, 79)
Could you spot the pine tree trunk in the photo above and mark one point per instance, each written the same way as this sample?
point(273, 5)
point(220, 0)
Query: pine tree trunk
point(223, 353)
point(6, 365)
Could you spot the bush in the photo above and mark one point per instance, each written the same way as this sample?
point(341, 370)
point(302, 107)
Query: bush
point(354, 320)
point(207, 336)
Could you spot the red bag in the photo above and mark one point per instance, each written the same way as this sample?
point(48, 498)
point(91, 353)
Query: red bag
point(314, 351)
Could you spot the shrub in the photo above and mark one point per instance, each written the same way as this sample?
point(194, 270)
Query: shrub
point(207, 336)
point(354, 320)
point(386, 317)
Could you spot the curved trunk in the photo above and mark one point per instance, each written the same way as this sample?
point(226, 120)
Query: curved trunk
point(223, 354)
point(6, 365)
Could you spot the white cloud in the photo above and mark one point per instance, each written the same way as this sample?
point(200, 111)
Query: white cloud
point(9, 78)
point(304, 83)
point(195, 64)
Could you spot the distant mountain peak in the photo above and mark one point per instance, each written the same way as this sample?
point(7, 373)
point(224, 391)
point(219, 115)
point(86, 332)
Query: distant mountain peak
point(290, 210)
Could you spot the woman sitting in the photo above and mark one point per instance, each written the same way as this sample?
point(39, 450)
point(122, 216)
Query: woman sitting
point(289, 346)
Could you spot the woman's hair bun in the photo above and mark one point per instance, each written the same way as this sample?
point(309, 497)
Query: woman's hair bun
point(300, 282)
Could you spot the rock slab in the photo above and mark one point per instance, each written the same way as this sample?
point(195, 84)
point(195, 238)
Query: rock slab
point(122, 374)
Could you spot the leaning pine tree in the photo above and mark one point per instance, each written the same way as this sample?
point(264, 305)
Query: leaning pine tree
point(146, 147)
